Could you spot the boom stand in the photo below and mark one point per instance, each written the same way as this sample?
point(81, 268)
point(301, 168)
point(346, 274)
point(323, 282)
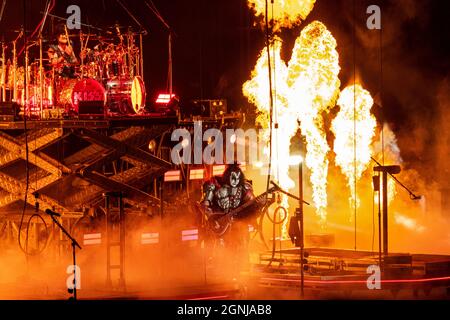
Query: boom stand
point(296, 227)
point(74, 245)
point(385, 171)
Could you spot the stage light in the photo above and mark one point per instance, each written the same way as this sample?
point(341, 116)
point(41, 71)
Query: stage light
point(171, 176)
point(196, 174)
point(164, 98)
point(258, 164)
point(152, 145)
point(150, 238)
point(185, 143)
point(218, 170)
point(295, 160)
point(92, 239)
point(189, 235)
point(233, 139)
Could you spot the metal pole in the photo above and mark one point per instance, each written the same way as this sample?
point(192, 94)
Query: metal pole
point(41, 77)
point(385, 213)
point(170, 64)
point(27, 81)
point(379, 224)
point(302, 244)
point(14, 72)
point(3, 80)
point(74, 272)
point(122, 240)
point(107, 235)
point(141, 62)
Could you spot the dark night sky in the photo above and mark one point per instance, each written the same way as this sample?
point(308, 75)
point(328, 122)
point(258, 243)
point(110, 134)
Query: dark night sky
point(217, 43)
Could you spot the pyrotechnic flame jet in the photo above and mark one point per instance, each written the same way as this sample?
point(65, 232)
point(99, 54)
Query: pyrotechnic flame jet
point(286, 13)
point(305, 88)
point(355, 105)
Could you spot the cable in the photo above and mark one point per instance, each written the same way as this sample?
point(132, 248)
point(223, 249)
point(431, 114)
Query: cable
point(39, 251)
point(274, 224)
point(27, 168)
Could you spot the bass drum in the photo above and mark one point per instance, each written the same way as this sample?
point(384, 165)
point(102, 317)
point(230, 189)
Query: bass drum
point(126, 96)
point(74, 91)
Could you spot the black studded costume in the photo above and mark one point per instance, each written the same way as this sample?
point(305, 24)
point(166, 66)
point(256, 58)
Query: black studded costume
point(226, 193)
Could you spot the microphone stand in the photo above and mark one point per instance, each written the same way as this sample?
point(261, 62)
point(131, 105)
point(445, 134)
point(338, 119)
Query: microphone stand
point(296, 228)
point(74, 245)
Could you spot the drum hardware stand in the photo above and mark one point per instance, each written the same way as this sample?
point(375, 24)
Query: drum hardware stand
point(27, 80)
point(41, 63)
point(81, 24)
point(3, 75)
point(83, 49)
point(133, 61)
point(141, 58)
point(171, 33)
point(142, 33)
point(15, 64)
point(41, 76)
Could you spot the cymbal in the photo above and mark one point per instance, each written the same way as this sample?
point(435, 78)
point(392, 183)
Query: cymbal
point(98, 38)
point(118, 26)
point(19, 31)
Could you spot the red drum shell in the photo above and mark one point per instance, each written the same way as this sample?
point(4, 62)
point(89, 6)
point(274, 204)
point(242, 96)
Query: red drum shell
point(88, 90)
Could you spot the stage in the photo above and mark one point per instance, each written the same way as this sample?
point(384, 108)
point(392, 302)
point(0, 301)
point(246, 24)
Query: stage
point(237, 151)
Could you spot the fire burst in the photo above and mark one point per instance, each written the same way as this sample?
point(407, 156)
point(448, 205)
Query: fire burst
point(285, 13)
point(313, 79)
point(353, 160)
point(257, 91)
point(305, 88)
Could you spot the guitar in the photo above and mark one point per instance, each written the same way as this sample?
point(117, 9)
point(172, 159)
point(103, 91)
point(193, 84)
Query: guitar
point(219, 223)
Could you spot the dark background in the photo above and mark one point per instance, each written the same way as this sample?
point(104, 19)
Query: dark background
point(217, 42)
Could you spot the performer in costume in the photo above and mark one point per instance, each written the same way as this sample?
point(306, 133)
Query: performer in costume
point(62, 56)
point(224, 194)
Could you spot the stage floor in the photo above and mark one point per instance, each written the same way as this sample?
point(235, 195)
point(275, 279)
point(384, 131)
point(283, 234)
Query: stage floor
point(427, 277)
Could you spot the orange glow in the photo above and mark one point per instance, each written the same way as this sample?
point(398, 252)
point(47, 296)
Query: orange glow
point(286, 13)
point(306, 87)
point(352, 99)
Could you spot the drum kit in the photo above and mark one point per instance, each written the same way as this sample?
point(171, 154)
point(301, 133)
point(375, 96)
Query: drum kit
point(109, 72)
